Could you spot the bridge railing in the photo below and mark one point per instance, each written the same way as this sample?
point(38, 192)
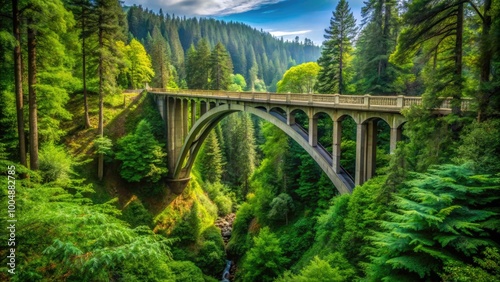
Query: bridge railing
point(365, 101)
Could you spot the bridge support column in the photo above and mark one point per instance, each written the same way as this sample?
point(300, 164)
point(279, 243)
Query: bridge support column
point(371, 149)
point(290, 119)
point(203, 107)
point(185, 119)
point(313, 131)
point(395, 138)
point(193, 113)
point(360, 154)
point(336, 152)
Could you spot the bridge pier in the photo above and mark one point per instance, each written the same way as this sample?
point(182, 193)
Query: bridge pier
point(371, 149)
point(395, 138)
point(360, 154)
point(313, 131)
point(337, 140)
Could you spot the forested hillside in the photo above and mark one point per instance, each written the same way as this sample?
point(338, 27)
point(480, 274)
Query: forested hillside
point(256, 55)
point(85, 194)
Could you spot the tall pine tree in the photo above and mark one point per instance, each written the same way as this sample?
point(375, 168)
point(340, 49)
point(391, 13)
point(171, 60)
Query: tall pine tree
point(338, 43)
point(221, 68)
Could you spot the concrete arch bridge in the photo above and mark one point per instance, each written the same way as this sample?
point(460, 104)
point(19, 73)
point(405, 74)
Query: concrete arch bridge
point(190, 115)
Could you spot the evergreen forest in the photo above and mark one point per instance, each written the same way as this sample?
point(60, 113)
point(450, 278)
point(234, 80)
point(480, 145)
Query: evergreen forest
point(83, 156)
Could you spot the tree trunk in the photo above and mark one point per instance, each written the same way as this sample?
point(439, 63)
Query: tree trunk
point(18, 81)
point(341, 80)
point(32, 96)
point(84, 74)
point(485, 61)
point(100, 128)
point(457, 94)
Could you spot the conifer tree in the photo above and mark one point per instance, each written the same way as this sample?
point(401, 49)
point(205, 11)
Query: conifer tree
point(198, 67)
point(18, 80)
point(375, 74)
point(160, 54)
point(436, 29)
point(109, 14)
point(210, 159)
point(338, 43)
point(221, 68)
point(443, 216)
point(86, 19)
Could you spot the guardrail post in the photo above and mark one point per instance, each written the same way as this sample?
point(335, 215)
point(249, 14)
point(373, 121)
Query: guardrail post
point(288, 98)
point(366, 100)
point(310, 98)
point(337, 98)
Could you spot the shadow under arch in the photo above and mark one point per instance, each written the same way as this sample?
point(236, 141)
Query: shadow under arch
point(210, 119)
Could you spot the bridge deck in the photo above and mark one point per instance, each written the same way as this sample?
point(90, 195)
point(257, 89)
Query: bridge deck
point(360, 102)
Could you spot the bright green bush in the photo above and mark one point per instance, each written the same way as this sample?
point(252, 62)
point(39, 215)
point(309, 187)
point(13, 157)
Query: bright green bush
point(224, 204)
point(265, 260)
point(55, 163)
point(186, 271)
point(142, 155)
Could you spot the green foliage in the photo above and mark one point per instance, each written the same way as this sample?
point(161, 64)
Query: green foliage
point(281, 206)
point(299, 79)
point(480, 145)
point(444, 216)
point(142, 155)
point(337, 46)
point(103, 145)
point(140, 68)
point(221, 196)
point(211, 257)
point(221, 68)
point(265, 260)
point(238, 83)
point(67, 237)
point(241, 240)
point(296, 238)
point(209, 159)
point(55, 164)
point(136, 214)
point(484, 269)
point(239, 151)
point(186, 271)
point(317, 271)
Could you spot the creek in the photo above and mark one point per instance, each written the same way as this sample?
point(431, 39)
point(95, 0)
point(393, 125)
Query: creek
point(225, 224)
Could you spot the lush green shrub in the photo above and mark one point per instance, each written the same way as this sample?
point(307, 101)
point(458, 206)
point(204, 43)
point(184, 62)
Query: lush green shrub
point(55, 163)
point(240, 238)
point(481, 146)
point(142, 155)
point(136, 214)
point(186, 271)
point(265, 260)
point(211, 258)
point(224, 205)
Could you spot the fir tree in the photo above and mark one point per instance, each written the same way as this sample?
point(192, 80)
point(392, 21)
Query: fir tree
point(338, 43)
point(210, 159)
point(221, 68)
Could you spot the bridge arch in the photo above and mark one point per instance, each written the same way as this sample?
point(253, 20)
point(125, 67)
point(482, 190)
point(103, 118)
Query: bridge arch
point(189, 116)
point(211, 118)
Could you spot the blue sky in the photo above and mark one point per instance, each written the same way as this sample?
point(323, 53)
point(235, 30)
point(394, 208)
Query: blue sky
point(287, 18)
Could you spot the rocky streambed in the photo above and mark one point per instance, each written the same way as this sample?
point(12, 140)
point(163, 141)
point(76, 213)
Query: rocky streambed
point(225, 224)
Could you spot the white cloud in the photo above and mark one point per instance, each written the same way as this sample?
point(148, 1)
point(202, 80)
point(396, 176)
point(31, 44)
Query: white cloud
point(287, 33)
point(204, 7)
